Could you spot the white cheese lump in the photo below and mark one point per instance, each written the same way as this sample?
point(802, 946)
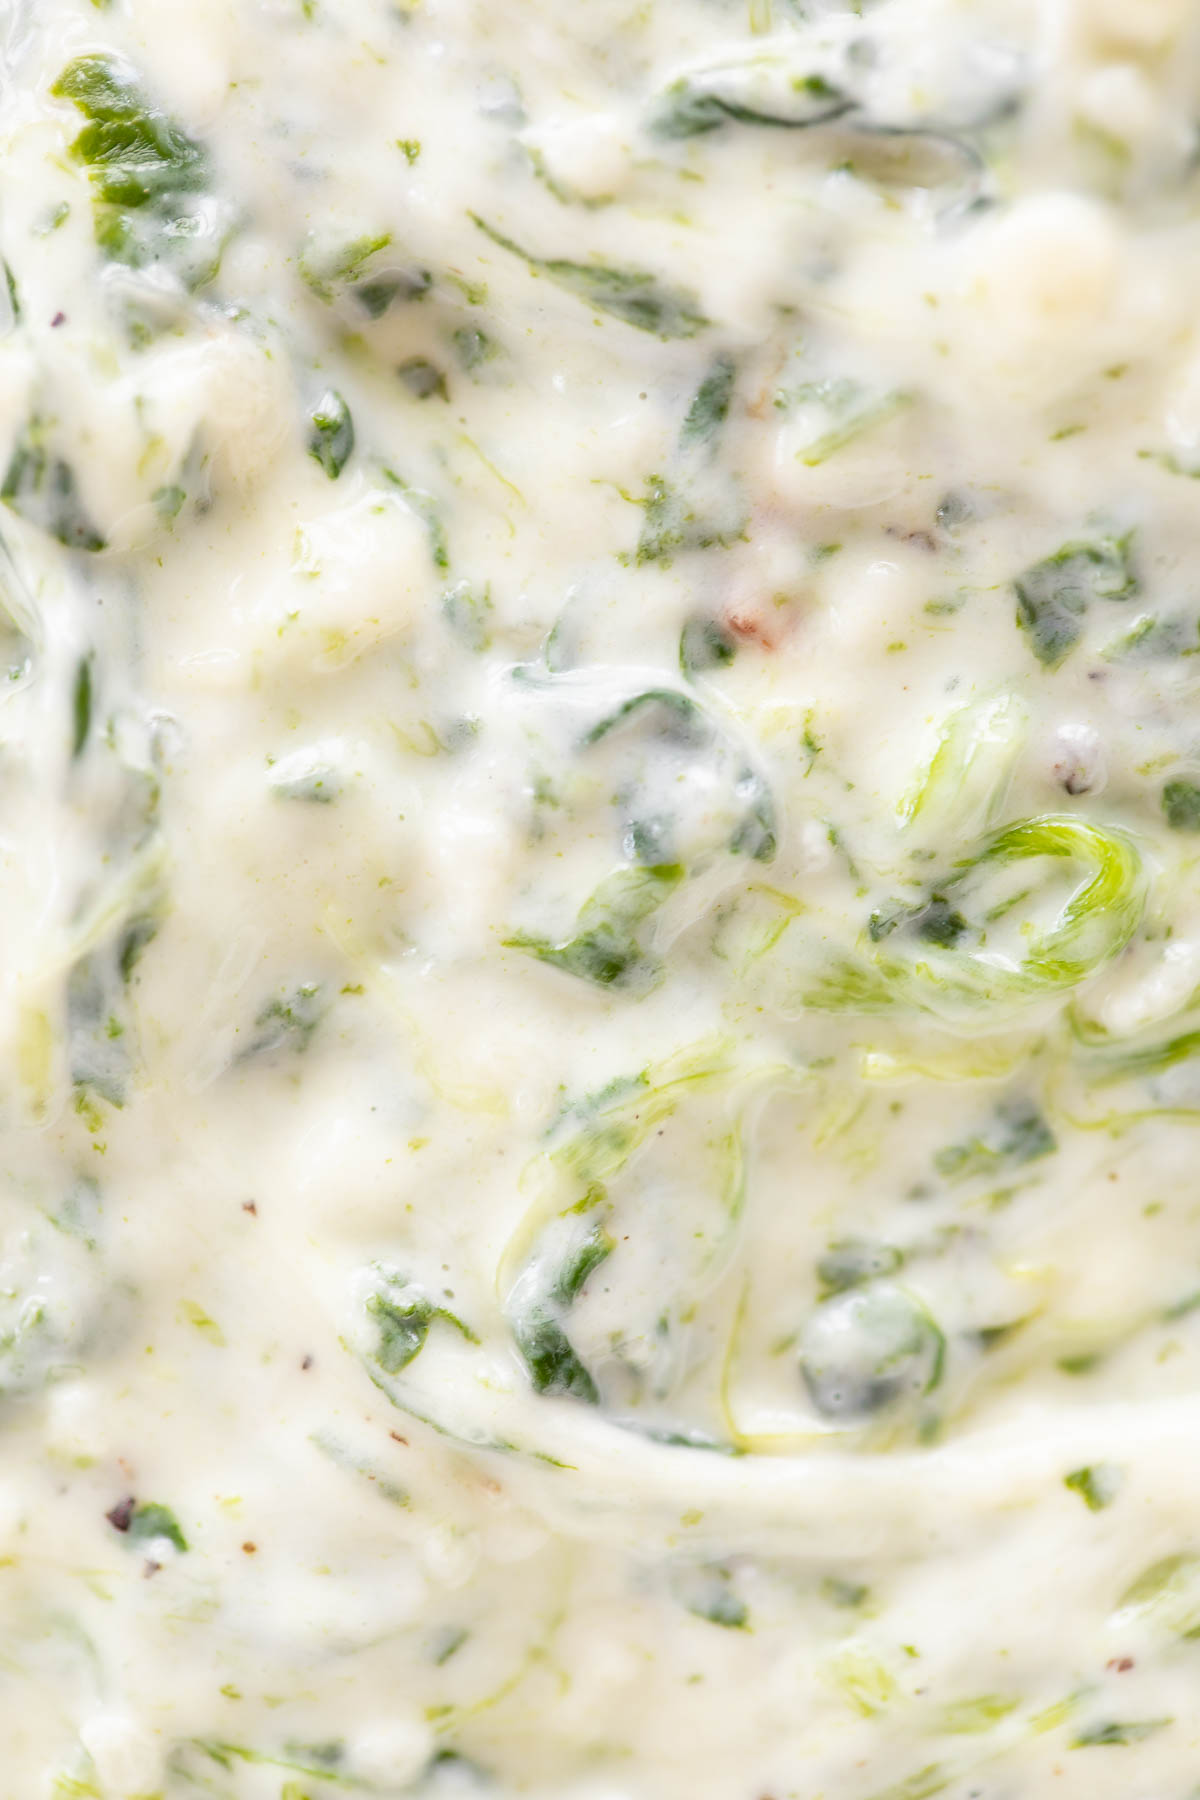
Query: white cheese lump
point(600, 878)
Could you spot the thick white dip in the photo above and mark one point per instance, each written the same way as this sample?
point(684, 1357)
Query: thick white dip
point(600, 949)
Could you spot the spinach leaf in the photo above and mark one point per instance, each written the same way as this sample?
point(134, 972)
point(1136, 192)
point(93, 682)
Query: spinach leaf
point(41, 487)
point(1054, 595)
point(708, 101)
point(1016, 1135)
point(287, 1023)
point(704, 644)
point(631, 295)
point(403, 1313)
point(1181, 805)
point(1097, 1486)
point(331, 433)
point(149, 177)
point(606, 949)
point(710, 406)
point(708, 1592)
point(150, 1521)
point(541, 1297)
point(467, 610)
point(1110, 1732)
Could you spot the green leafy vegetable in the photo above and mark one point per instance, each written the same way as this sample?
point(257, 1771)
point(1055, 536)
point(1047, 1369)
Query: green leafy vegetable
point(541, 1297)
point(606, 948)
point(710, 406)
point(41, 487)
point(853, 1262)
point(930, 955)
point(331, 434)
point(403, 1313)
point(1017, 1135)
point(965, 782)
point(150, 178)
point(467, 611)
point(869, 1349)
point(964, 1718)
point(475, 348)
point(1097, 1486)
point(1110, 1732)
point(151, 1521)
point(81, 708)
point(337, 270)
point(422, 379)
point(754, 91)
point(1054, 595)
point(632, 295)
point(704, 644)
point(288, 1022)
point(1181, 805)
point(708, 1592)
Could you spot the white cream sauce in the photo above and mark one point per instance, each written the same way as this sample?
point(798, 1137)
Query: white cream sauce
point(600, 972)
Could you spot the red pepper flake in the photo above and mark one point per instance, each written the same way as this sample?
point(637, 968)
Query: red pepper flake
point(60, 318)
point(1122, 1664)
point(398, 1438)
point(121, 1516)
point(307, 1363)
point(250, 1548)
point(250, 1206)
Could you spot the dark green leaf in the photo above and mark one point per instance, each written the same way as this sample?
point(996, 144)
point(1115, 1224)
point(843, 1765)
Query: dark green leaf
point(1054, 595)
point(1131, 1732)
point(1096, 1486)
point(81, 708)
point(422, 379)
point(710, 407)
point(705, 643)
point(852, 1262)
point(1181, 805)
point(331, 434)
point(688, 108)
point(467, 610)
point(632, 295)
point(287, 1024)
point(41, 488)
point(1016, 1135)
point(154, 1521)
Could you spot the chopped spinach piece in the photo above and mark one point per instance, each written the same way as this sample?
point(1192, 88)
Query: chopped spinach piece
point(606, 949)
point(696, 104)
point(1054, 595)
point(148, 175)
point(705, 643)
point(467, 610)
point(709, 1593)
point(710, 407)
point(404, 1315)
point(1017, 1134)
point(41, 487)
point(352, 269)
point(288, 1023)
point(853, 1262)
point(635, 296)
point(81, 708)
point(422, 379)
point(1181, 805)
point(1097, 1485)
point(474, 347)
point(151, 1521)
point(331, 433)
point(1110, 1732)
point(536, 1309)
point(869, 1349)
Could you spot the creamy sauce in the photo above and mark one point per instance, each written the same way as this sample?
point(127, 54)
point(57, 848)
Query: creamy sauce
point(600, 978)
